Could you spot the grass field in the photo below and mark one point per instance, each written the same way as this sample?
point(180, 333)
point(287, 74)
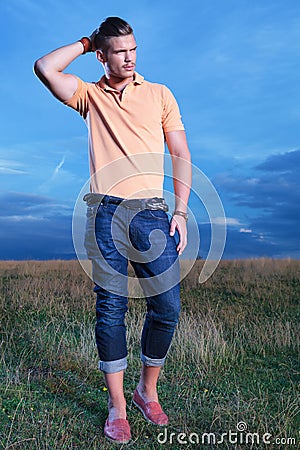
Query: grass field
point(233, 362)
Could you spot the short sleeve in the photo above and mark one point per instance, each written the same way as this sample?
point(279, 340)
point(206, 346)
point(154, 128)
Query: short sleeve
point(171, 118)
point(80, 100)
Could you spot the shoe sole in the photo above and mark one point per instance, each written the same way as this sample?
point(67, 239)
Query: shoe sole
point(147, 418)
point(117, 442)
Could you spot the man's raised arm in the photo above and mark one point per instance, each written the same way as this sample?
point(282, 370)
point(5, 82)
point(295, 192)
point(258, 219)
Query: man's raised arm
point(49, 68)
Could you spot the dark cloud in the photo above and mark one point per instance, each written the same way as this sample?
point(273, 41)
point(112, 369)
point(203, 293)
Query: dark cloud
point(247, 245)
point(273, 191)
point(34, 227)
point(18, 203)
point(281, 162)
point(238, 244)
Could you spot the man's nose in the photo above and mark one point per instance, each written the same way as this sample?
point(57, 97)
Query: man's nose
point(128, 56)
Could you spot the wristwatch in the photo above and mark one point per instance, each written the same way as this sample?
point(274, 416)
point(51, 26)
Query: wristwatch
point(181, 213)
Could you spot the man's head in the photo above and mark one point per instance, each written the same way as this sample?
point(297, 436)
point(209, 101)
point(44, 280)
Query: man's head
point(111, 27)
point(116, 48)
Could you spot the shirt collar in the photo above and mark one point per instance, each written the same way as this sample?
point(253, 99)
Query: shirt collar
point(138, 79)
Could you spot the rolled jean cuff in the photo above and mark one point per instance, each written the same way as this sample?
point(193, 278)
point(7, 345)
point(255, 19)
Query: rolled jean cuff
point(113, 366)
point(152, 362)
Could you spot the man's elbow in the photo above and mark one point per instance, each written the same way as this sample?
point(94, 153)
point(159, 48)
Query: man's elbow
point(182, 152)
point(40, 69)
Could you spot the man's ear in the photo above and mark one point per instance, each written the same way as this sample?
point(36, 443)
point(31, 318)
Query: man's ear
point(100, 55)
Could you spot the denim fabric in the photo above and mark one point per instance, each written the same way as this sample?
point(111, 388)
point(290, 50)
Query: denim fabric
point(115, 235)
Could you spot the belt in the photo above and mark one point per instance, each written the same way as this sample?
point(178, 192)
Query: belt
point(154, 203)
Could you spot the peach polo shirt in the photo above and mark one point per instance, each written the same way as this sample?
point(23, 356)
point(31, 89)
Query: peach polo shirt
point(126, 135)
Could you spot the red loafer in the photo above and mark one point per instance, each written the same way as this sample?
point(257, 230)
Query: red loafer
point(117, 431)
point(151, 410)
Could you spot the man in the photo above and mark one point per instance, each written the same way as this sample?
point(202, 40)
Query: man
point(128, 121)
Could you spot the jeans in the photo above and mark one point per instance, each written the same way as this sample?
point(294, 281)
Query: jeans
point(116, 234)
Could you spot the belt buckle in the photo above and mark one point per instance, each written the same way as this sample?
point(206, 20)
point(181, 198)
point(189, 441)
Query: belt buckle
point(157, 204)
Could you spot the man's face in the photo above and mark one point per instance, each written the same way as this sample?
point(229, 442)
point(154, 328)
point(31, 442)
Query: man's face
point(120, 58)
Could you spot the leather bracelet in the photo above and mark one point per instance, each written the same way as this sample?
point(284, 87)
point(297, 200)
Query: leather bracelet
point(182, 214)
point(87, 44)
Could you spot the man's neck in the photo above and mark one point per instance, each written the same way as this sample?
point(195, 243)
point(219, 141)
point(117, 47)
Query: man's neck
point(118, 83)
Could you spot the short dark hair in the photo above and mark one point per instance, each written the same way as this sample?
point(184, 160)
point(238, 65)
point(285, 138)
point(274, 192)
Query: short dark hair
point(110, 27)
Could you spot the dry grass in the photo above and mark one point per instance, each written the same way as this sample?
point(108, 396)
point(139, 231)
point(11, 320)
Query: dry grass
point(234, 357)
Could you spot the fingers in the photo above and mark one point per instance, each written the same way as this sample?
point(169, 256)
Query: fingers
point(182, 244)
point(173, 227)
point(92, 38)
point(180, 224)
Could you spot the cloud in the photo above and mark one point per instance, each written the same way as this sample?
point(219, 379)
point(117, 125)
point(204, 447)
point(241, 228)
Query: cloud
point(11, 167)
point(29, 238)
point(54, 166)
point(273, 195)
point(284, 162)
point(239, 244)
point(58, 167)
point(34, 227)
point(9, 171)
point(245, 230)
point(249, 245)
point(20, 204)
point(229, 221)
point(57, 179)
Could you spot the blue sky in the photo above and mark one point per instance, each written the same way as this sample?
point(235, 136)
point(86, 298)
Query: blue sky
point(234, 68)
